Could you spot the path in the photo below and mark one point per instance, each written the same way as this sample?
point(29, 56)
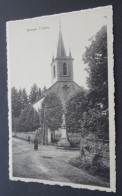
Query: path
point(49, 163)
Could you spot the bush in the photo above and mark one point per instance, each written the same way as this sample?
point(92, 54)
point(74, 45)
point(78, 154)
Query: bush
point(74, 144)
point(95, 156)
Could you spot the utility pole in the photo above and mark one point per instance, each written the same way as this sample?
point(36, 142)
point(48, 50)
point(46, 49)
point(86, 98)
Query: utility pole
point(44, 126)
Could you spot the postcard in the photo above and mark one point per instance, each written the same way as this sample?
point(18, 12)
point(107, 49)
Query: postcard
point(61, 99)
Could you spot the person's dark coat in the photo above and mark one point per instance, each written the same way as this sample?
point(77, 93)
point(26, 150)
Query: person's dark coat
point(36, 144)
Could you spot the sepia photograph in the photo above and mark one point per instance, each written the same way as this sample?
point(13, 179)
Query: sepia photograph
point(61, 99)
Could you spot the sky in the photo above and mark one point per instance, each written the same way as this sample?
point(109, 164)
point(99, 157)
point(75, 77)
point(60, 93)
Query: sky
point(31, 43)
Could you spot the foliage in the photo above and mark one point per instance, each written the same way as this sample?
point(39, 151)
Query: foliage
point(25, 98)
point(96, 59)
point(19, 101)
point(14, 96)
point(24, 117)
point(95, 155)
point(96, 121)
point(51, 112)
point(15, 123)
point(34, 93)
point(44, 89)
point(28, 120)
point(94, 146)
point(74, 111)
point(87, 112)
point(39, 92)
point(96, 116)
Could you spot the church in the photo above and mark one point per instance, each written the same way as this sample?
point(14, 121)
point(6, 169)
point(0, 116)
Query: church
point(63, 85)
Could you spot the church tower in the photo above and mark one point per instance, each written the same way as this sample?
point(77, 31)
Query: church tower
point(63, 84)
point(62, 65)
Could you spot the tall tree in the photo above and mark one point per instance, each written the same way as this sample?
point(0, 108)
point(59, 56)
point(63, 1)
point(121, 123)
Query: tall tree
point(28, 120)
point(51, 111)
point(74, 112)
point(33, 93)
point(39, 92)
point(25, 98)
point(20, 100)
point(15, 100)
point(96, 117)
point(96, 59)
point(44, 89)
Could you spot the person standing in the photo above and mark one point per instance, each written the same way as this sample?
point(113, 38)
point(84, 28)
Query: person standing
point(35, 144)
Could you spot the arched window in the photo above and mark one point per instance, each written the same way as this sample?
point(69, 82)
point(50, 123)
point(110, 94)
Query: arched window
point(54, 71)
point(64, 69)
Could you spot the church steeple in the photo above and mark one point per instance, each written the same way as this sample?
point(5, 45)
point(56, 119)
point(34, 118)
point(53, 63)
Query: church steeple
point(60, 49)
point(62, 65)
point(70, 55)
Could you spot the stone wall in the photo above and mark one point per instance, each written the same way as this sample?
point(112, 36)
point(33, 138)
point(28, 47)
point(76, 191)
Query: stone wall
point(24, 135)
point(74, 138)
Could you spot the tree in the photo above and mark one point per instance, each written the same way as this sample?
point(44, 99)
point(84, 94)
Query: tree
point(44, 89)
point(74, 112)
point(51, 112)
point(20, 100)
point(34, 92)
point(25, 98)
point(95, 123)
point(96, 117)
point(96, 59)
point(15, 102)
point(39, 93)
point(28, 120)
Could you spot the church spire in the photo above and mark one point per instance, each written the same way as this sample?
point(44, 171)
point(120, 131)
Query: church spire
point(60, 49)
point(70, 55)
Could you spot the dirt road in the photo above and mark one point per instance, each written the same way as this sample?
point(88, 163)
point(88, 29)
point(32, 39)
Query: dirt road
point(49, 163)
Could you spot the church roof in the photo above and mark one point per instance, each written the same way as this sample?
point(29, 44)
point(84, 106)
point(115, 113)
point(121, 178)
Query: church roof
point(61, 52)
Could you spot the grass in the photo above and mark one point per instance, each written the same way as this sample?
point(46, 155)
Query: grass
point(98, 171)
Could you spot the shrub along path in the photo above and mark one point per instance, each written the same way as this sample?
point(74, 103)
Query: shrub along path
point(49, 163)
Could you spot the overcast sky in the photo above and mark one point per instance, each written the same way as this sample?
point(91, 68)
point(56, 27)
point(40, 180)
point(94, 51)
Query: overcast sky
point(32, 42)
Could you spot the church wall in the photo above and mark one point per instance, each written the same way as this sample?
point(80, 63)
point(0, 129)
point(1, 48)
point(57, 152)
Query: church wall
point(54, 79)
point(69, 76)
point(64, 95)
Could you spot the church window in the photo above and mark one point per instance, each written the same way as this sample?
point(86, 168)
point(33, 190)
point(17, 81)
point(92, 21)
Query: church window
point(64, 69)
point(54, 71)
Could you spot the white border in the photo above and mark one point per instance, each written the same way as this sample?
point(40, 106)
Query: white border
point(111, 109)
